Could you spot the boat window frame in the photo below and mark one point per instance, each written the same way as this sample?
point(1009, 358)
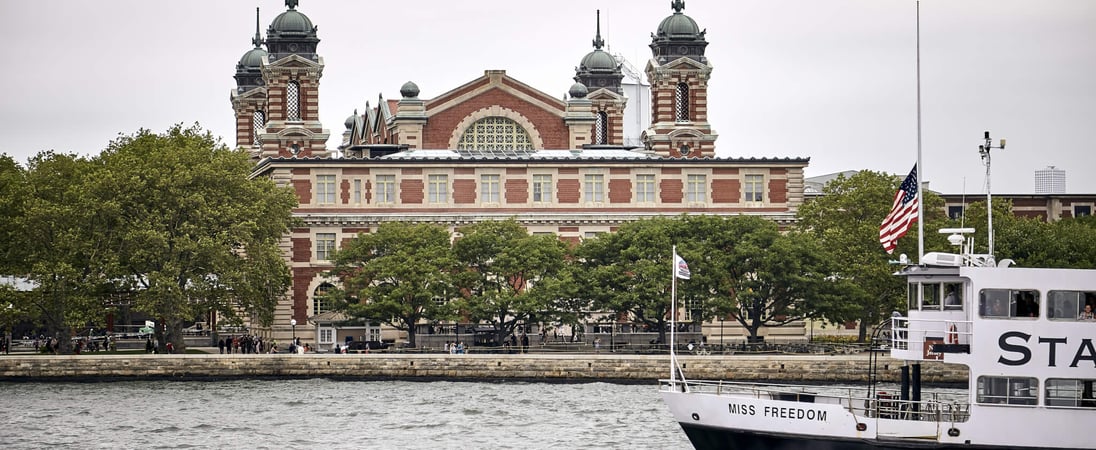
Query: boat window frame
point(1082, 298)
point(1080, 401)
point(916, 294)
point(1010, 384)
point(1012, 297)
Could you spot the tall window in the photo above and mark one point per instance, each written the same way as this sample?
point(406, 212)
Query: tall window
point(489, 188)
point(601, 128)
point(681, 102)
point(495, 133)
point(356, 192)
point(386, 189)
point(320, 302)
point(258, 123)
point(438, 188)
point(595, 188)
point(325, 246)
point(325, 189)
point(696, 189)
point(754, 188)
point(293, 101)
point(542, 188)
point(645, 188)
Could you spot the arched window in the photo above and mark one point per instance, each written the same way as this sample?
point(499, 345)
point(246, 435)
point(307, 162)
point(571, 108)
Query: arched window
point(495, 133)
point(681, 102)
point(293, 101)
point(258, 123)
point(601, 128)
point(320, 302)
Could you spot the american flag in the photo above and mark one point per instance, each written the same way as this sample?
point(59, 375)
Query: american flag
point(902, 214)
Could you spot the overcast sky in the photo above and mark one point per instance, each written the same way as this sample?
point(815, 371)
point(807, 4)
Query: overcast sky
point(833, 80)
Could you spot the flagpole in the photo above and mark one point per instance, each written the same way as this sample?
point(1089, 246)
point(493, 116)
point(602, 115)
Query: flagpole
point(673, 312)
point(920, 173)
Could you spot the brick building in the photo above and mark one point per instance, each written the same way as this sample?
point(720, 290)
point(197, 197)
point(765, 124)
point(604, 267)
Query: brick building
point(491, 148)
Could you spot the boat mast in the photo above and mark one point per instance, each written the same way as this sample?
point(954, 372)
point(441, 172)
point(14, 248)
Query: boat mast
point(984, 151)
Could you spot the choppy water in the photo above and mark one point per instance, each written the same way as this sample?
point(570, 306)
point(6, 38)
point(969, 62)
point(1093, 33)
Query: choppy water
point(318, 414)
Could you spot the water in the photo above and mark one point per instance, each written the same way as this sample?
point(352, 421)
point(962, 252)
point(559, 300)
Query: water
point(320, 413)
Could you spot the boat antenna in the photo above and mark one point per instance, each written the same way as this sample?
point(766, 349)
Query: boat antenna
point(984, 151)
point(920, 172)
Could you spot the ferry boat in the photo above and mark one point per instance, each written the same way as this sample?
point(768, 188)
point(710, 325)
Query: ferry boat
point(1022, 333)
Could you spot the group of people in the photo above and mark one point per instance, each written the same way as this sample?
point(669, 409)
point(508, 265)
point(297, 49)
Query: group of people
point(245, 344)
point(454, 348)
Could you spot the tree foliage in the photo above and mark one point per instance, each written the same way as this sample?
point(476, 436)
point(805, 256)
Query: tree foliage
point(628, 272)
point(61, 242)
point(397, 275)
point(171, 218)
point(196, 234)
point(758, 275)
point(845, 220)
point(502, 267)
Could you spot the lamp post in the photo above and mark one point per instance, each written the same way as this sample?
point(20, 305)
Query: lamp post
point(721, 332)
point(293, 323)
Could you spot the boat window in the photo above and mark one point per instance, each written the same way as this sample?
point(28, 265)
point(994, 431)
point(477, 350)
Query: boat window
point(953, 296)
point(1073, 393)
point(1007, 390)
point(1008, 303)
point(1071, 305)
point(930, 296)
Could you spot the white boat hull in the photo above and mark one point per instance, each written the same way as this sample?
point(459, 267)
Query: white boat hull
point(731, 421)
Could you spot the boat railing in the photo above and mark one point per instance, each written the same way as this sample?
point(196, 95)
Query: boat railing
point(918, 334)
point(882, 406)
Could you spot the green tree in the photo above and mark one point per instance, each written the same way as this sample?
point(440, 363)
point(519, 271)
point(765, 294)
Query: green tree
point(845, 219)
point(397, 275)
point(503, 266)
point(628, 272)
point(762, 277)
point(1033, 242)
point(565, 295)
point(193, 232)
point(62, 241)
point(12, 197)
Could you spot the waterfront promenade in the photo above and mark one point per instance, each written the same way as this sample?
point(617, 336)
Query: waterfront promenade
point(549, 367)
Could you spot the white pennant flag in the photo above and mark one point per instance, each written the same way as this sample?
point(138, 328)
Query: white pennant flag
point(681, 268)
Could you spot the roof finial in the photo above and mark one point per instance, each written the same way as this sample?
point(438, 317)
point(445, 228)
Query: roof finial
point(292, 4)
point(597, 38)
point(258, 39)
point(678, 5)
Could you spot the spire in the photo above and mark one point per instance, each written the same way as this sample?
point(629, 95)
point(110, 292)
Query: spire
point(598, 43)
point(292, 4)
point(258, 39)
point(678, 5)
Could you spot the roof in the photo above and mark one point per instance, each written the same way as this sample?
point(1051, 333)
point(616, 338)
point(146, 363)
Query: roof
point(511, 153)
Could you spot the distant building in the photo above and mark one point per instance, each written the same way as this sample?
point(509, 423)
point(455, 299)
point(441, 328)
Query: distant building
point(1050, 181)
point(1046, 206)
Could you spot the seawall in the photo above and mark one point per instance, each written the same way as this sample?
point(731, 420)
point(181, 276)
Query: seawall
point(539, 367)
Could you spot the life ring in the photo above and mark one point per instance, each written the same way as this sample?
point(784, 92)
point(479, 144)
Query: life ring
point(953, 335)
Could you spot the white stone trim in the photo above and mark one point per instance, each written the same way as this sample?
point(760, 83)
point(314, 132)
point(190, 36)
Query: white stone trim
point(497, 111)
